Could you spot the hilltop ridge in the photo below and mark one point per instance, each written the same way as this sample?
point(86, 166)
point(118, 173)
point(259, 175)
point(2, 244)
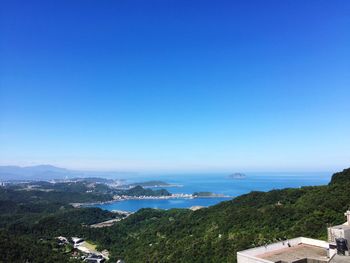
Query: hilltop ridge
point(341, 177)
point(50, 172)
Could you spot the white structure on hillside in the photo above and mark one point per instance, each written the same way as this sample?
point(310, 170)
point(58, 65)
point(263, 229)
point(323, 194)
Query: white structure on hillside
point(77, 241)
point(304, 250)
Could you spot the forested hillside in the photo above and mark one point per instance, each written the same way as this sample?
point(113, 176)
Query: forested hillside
point(213, 234)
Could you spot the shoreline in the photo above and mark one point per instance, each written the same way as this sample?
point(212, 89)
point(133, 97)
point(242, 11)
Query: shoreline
point(163, 186)
point(166, 197)
point(130, 186)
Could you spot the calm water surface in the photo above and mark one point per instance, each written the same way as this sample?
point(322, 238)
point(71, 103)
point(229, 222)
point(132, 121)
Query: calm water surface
point(216, 183)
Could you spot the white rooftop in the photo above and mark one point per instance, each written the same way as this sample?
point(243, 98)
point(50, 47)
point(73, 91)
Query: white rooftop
point(287, 251)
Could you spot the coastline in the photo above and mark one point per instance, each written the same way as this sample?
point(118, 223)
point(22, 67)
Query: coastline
point(149, 186)
point(164, 186)
point(166, 197)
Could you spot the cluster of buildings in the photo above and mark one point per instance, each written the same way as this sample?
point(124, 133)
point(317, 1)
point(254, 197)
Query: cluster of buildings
point(146, 197)
point(304, 250)
point(89, 255)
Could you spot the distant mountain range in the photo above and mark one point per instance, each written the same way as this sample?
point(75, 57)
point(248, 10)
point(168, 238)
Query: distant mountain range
point(49, 172)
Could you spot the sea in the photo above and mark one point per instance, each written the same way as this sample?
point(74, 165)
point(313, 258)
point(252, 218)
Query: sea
point(219, 183)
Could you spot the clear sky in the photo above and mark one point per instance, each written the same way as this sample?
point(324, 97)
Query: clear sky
point(176, 85)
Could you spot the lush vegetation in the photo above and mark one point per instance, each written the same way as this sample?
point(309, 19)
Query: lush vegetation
point(150, 183)
point(140, 191)
point(29, 222)
point(215, 234)
point(26, 248)
point(341, 177)
point(85, 190)
point(30, 219)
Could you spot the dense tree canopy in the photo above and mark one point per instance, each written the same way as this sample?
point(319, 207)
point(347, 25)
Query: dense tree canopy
point(211, 234)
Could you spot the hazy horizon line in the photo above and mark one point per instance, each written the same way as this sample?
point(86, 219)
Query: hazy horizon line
point(178, 170)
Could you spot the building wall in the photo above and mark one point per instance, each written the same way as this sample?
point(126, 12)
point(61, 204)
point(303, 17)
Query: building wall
point(338, 232)
point(314, 242)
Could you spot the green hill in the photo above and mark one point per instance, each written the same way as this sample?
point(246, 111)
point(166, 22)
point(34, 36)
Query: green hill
point(140, 191)
point(211, 234)
point(341, 177)
point(215, 234)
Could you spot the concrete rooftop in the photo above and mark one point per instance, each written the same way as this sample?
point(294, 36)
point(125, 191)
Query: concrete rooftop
point(294, 253)
point(340, 259)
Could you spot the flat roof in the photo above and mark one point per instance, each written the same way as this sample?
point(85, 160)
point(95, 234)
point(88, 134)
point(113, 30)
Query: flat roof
point(340, 259)
point(300, 251)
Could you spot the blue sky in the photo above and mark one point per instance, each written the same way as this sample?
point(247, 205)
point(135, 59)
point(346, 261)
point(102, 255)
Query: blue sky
point(176, 85)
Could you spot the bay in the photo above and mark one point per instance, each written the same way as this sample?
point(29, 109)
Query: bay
point(218, 183)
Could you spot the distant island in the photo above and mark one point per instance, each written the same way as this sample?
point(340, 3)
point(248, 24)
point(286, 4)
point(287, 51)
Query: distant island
point(154, 184)
point(237, 176)
point(140, 191)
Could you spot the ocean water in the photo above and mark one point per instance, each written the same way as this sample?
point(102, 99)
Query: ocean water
point(217, 183)
point(134, 205)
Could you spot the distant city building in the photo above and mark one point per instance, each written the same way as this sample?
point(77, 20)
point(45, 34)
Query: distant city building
point(304, 250)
